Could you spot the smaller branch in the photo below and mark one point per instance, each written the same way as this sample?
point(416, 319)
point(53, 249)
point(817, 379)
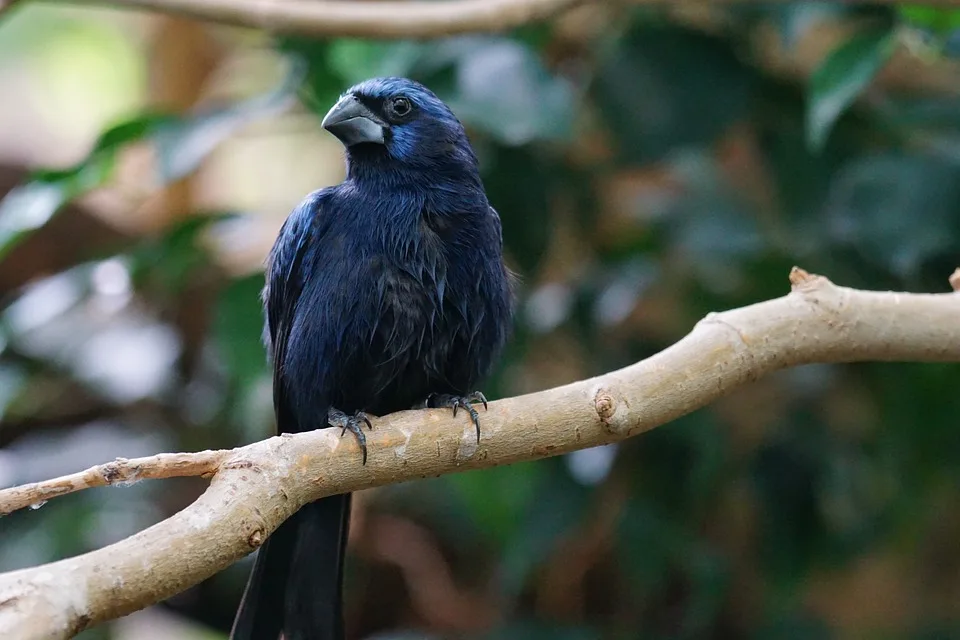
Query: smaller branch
point(375, 19)
point(119, 472)
point(955, 280)
point(386, 19)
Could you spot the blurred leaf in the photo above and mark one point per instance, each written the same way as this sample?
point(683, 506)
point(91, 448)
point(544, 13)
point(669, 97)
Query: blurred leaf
point(646, 545)
point(173, 258)
point(515, 488)
point(558, 506)
point(13, 380)
point(918, 421)
point(841, 77)
point(877, 202)
point(939, 20)
point(183, 144)
point(357, 60)
point(322, 85)
point(26, 208)
point(709, 580)
point(537, 630)
point(652, 95)
point(238, 328)
point(29, 206)
point(939, 114)
point(523, 205)
point(503, 88)
point(795, 19)
point(797, 626)
point(712, 227)
point(786, 474)
point(401, 635)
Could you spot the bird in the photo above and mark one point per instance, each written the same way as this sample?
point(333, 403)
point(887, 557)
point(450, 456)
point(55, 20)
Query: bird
point(386, 292)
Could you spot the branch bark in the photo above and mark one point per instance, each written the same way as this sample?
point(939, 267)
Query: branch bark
point(375, 19)
point(255, 488)
point(383, 18)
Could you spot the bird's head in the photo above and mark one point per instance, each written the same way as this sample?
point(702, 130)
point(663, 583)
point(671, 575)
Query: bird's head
point(401, 122)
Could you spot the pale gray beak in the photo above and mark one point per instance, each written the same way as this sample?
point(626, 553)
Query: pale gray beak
point(353, 123)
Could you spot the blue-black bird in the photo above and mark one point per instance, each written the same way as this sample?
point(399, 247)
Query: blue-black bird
point(384, 292)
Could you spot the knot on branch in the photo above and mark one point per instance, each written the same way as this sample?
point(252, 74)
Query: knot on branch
point(255, 539)
point(607, 406)
point(120, 470)
point(803, 281)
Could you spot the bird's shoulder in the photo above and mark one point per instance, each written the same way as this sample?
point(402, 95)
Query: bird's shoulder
point(309, 219)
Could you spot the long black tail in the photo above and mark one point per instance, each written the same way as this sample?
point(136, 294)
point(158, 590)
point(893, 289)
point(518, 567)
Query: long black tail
point(297, 580)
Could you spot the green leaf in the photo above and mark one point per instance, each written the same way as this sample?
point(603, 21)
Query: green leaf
point(173, 258)
point(29, 206)
point(26, 208)
point(503, 88)
point(515, 486)
point(793, 626)
point(938, 20)
point(529, 629)
point(525, 237)
point(181, 144)
point(876, 202)
point(356, 60)
point(651, 94)
point(13, 380)
point(239, 323)
point(558, 505)
point(322, 85)
point(842, 76)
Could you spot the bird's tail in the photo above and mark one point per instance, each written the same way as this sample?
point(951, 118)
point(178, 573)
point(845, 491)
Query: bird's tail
point(297, 579)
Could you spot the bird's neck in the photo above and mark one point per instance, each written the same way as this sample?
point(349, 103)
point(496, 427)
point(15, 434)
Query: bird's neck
point(437, 183)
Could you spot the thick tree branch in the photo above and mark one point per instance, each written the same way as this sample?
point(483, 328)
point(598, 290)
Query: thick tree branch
point(256, 487)
point(383, 18)
point(375, 19)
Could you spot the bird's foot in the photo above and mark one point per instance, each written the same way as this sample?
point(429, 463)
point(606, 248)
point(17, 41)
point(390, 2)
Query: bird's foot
point(443, 400)
point(353, 424)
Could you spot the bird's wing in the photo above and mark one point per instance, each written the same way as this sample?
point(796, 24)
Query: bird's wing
point(297, 579)
point(284, 284)
point(497, 225)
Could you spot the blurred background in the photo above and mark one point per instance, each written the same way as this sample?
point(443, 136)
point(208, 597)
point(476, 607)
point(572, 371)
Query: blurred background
point(651, 164)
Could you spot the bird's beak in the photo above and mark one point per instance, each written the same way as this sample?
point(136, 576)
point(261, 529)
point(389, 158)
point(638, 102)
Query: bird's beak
point(353, 123)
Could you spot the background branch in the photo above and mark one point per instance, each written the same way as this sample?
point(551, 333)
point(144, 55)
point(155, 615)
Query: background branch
point(258, 486)
point(377, 19)
point(381, 19)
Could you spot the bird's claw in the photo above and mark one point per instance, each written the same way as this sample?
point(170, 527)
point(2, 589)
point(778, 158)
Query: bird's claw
point(443, 400)
point(353, 424)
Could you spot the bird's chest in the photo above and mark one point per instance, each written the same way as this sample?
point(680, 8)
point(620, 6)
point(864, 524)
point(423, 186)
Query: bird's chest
point(408, 308)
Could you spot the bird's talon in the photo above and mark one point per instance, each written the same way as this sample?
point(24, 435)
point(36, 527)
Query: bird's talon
point(440, 400)
point(353, 424)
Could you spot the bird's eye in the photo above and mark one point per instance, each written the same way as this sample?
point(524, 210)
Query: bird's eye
point(400, 106)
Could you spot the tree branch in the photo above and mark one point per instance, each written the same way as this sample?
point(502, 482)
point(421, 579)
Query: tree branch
point(255, 488)
point(383, 18)
point(375, 19)
point(119, 472)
